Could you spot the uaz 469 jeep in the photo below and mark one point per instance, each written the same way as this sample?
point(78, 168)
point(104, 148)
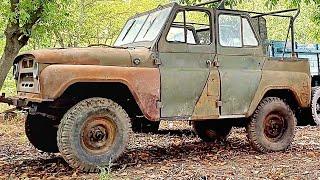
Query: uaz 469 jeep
point(205, 65)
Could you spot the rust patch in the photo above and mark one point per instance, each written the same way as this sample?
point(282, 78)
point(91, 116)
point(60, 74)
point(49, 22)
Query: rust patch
point(206, 107)
point(144, 83)
point(298, 83)
point(84, 56)
point(145, 57)
point(289, 75)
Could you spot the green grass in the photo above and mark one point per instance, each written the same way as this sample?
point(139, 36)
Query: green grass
point(9, 87)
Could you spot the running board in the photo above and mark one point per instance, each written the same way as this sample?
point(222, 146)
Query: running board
point(232, 116)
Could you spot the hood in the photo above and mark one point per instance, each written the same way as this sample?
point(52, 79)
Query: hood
point(81, 56)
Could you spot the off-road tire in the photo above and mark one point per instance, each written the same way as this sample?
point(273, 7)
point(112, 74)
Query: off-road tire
point(142, 125)
point(42, 133)
point(258, 130)
point(70, 139)
point(315, 105)
point(212, 130)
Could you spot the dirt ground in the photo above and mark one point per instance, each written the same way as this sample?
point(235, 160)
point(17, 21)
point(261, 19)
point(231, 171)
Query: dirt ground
point(173, 153)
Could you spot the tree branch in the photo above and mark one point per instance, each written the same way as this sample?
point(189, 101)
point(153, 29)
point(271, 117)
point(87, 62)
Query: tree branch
point(34, 17)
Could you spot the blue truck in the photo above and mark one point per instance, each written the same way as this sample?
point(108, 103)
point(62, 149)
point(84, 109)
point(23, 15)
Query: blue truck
point(312, 53)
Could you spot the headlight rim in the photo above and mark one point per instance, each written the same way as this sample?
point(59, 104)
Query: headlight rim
point(16, 71)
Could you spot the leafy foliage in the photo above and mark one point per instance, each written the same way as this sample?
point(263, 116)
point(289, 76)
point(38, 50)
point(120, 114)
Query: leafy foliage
point(73, 23)
point(9, 86)
point(70, 23)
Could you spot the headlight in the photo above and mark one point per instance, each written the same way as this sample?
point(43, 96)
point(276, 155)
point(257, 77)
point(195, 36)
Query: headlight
point(36, 70)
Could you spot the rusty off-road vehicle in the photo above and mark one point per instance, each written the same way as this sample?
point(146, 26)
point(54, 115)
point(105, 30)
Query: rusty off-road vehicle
point(205, 65)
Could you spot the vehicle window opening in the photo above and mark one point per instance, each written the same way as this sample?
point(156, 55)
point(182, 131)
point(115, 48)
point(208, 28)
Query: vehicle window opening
point(249, 39)
point(144, 28)
point(192, 27)
point(235, 31)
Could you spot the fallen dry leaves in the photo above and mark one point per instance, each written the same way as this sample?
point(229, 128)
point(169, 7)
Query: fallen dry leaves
point(173, 153)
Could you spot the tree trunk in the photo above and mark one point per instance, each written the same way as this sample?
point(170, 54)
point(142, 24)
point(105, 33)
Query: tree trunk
point(15, 40)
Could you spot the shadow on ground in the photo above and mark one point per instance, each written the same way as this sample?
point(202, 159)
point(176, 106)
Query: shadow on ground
point(235, 147)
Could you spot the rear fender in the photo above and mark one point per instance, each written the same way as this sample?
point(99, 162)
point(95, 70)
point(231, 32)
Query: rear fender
point(298, 83)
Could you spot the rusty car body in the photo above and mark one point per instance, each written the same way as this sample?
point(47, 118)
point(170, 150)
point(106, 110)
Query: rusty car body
point(156, 78)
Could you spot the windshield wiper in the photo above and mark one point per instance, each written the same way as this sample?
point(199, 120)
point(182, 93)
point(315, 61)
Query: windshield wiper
point(106, 45)
point(129, 30)
point(151, 24)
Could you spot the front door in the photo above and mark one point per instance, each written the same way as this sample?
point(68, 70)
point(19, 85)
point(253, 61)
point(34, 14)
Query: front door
point(241, 59)
point(185, 49)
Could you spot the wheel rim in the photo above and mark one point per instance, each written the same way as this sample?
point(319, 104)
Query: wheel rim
point(98, 135)
point(274, 127)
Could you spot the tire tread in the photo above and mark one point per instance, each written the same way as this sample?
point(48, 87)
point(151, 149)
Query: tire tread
point(65, 130)
point(251, 132)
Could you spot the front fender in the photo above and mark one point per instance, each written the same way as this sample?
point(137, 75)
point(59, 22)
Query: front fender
point(144, 83)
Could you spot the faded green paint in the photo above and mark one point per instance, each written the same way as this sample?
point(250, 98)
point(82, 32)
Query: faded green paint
point(183, 77)
point(184, 73)
point(240, 71)
point(240, 77)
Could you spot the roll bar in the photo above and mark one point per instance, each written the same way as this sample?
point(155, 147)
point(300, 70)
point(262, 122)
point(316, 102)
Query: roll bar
point(280, 13)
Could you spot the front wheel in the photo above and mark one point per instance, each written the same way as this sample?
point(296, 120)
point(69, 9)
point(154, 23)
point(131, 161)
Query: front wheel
point(272, 126)
point(93, 134)
point(42, 133)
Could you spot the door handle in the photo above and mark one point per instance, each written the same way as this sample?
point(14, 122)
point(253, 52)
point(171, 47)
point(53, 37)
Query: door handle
point(209, 63)
point(213, 63)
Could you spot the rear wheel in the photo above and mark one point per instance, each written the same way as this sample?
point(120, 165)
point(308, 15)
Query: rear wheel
point(42, 133)
point(315, 105)
point(212, 130)
point(93, 134)
point(272, 126)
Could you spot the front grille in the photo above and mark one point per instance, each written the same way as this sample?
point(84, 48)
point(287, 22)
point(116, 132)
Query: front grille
point(27, 63)
point(28, 80)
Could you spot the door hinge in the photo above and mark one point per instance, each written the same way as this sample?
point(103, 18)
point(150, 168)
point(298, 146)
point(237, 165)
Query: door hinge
point(157, 61)
point(216, 63)
point(219, 103)
point(159, 105)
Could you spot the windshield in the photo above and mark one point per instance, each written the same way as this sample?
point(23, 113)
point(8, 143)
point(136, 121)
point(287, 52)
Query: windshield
point(143, 28)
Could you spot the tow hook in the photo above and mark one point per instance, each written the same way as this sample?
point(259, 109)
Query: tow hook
point(19, 103)
point(3, 99)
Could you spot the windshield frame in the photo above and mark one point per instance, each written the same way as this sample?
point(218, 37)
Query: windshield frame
point(147, 44)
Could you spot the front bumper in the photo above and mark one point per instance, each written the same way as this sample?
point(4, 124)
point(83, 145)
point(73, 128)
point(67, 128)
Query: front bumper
point(22, 99)
point(15, 101)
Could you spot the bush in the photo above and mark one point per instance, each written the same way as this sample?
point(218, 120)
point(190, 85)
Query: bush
point(9, 86)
